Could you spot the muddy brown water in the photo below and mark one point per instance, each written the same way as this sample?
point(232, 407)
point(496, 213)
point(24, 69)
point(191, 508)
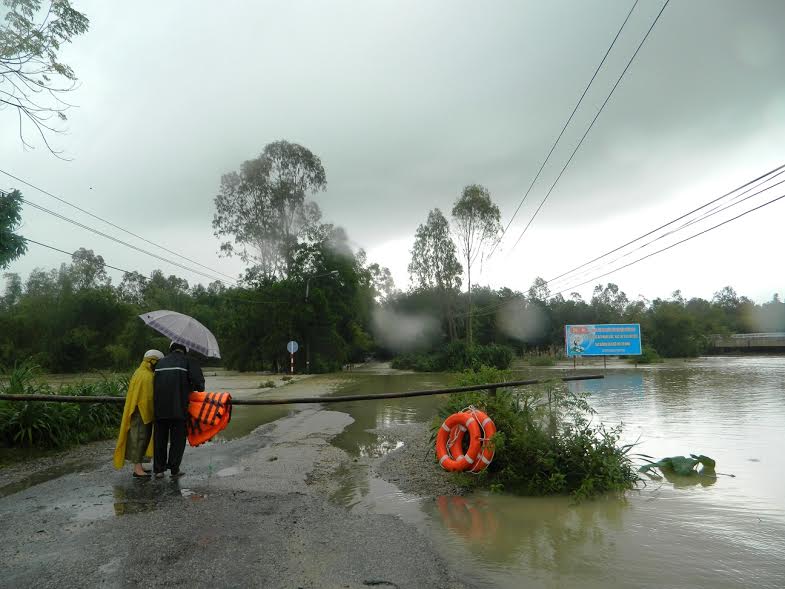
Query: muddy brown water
point(728, 532)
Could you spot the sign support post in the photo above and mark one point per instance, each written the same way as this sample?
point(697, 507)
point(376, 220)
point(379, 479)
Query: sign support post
point(292, 347)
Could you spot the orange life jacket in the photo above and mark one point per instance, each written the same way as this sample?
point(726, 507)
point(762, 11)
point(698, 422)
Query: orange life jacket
point(208, 414)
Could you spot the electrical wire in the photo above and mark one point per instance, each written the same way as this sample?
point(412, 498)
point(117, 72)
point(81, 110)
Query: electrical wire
point(687, 214)
point(94, 216)
point(591, 125)
point(768, 176)
point(124, 271)
point(120, 241)
point(675, 244)
point(716, 211)
point(70, 254)
point(564, 128)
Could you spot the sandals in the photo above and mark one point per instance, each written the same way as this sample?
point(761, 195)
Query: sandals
point(146, 475)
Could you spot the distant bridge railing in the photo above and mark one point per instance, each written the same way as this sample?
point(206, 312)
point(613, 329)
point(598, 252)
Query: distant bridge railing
point(489, 387)
point(748, 341)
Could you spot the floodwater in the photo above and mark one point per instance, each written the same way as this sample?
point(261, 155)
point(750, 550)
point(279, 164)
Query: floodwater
point(728, 532)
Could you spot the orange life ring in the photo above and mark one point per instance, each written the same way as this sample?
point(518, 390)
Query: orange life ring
point(464, 422)
point(486, 452)
point(484, 455)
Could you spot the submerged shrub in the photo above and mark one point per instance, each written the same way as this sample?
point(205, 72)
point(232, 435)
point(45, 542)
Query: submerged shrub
point(455, 357)
point(546, 443)
point(540, 360)
point(649, 356)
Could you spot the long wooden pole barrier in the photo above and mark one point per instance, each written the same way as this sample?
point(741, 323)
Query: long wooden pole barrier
point(368, 397)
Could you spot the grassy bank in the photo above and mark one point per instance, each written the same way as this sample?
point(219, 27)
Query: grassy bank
point(42, 425)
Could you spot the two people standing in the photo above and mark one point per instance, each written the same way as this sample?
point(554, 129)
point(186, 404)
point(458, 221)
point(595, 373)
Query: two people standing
point(158, 392)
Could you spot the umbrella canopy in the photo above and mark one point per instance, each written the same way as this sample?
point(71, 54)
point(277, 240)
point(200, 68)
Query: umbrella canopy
point(183, 330)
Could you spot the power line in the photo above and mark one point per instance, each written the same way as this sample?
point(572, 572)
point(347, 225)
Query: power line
point(691, 222)
point(116, 240)
point(675, 244)
point(768, 176)
point(123, 270)
point(94, 216)
point(564, 128)
point(70, 254)
point(594, 120)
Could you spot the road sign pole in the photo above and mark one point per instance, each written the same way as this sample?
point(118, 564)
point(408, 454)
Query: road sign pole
point(291, 363)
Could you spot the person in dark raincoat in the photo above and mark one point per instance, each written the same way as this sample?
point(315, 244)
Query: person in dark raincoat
point(176, 375)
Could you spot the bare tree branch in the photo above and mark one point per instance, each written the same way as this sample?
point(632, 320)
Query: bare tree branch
point(31, 77)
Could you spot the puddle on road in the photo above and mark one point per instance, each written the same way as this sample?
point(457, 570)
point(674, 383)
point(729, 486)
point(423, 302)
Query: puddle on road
point(229, 471)
point(134, 497)
point(43, 476)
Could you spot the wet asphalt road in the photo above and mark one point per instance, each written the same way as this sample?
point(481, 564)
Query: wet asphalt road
point(252, 512)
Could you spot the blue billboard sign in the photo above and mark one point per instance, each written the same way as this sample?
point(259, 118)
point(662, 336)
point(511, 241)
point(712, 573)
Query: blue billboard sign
point(613, 339)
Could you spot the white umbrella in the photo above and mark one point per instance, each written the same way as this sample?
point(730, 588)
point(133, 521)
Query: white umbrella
point(183, 330)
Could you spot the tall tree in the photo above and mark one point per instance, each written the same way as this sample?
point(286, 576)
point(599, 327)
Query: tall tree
point(12, 245)
point(478, 224)
point(539, 291)
point(33, 80)
point(263, 210)
point(435, 265)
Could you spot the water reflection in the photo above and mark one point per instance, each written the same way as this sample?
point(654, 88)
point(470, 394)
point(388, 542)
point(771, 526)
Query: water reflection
point(135, 498)
point(545, 533)
point(680, 481)
point(691, 531)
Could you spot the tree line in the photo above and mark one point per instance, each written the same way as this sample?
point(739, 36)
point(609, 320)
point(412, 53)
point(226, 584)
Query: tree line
point(304, 282)
point(533, 321)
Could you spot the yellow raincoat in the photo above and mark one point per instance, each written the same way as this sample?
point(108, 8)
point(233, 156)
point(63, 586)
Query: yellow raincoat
point(140, 395)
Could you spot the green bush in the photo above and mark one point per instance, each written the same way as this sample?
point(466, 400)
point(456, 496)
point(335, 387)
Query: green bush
point(649, 356)
point(39, 424)
point(268, 384)
point(540, 360)
point(545, 443)
point(456, 357)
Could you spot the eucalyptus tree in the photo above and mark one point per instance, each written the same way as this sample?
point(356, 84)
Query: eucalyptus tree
point(434, 264)
point(263, 210)
point(477, 221)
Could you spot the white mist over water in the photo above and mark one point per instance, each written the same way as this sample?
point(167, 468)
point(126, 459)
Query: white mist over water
point(522, 321)
point(404, 332)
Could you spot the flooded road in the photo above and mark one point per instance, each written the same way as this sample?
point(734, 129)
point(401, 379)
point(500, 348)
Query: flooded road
point(728, 532)
point(300, 473)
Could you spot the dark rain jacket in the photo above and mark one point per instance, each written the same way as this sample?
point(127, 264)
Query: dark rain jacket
point(176, 375)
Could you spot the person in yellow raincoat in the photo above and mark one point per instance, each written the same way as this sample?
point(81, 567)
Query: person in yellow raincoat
point(136, 427)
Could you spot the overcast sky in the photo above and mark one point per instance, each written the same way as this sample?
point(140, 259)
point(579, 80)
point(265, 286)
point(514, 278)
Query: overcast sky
point(406, 103)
